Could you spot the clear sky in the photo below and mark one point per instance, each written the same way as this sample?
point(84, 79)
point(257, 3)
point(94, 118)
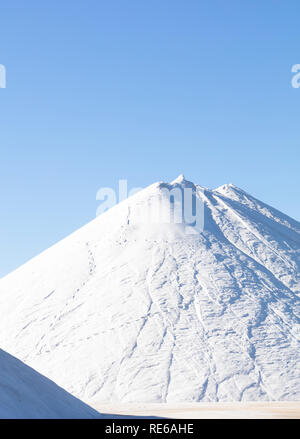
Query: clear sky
point(102, 90)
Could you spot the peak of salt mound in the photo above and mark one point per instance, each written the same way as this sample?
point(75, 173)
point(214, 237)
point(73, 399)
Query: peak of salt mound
point(180, 179)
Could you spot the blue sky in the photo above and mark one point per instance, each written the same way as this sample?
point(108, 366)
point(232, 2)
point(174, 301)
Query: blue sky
point(99, 91)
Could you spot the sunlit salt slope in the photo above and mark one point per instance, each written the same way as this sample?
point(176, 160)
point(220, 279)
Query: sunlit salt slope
point(132, 312)
point(24, 393)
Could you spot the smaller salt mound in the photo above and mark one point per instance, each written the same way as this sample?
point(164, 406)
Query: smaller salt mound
point(24, 393)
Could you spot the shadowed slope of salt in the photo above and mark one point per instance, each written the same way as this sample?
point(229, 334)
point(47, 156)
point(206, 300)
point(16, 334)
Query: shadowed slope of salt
point(24, 393)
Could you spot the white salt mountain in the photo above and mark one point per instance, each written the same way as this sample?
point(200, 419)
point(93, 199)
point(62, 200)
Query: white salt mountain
point(124, 310)
point(24, 394)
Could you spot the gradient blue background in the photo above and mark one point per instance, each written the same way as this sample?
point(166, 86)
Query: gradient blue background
point(142, 90)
